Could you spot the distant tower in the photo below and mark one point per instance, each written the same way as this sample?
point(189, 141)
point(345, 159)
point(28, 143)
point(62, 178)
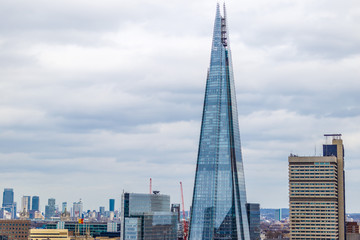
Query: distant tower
point(102, 210)
point(219, 197)
point(8, 202)
point(25, 203)
point(8, 197)
point(77, 209)
point(111, 205)
point(316, 189)
point(50, 208)
point(64, 207)
point(35, 203)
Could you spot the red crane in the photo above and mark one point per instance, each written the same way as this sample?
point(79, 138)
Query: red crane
point(184, 219)
point(150, 186)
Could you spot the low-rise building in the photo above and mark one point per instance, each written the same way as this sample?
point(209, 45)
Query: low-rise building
point(49, 234)
point(14, 229)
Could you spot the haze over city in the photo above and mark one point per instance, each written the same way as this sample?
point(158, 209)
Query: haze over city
point(97, 97)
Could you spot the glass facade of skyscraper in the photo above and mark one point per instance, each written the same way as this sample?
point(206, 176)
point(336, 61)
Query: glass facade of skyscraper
point(8, 197)
point(35, 203)
point(219, 199)
point(111, 205)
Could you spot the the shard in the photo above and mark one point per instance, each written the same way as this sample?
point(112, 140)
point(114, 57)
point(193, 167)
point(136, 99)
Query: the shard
point(219, 199)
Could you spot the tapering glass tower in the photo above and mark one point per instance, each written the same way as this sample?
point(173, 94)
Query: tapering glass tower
point(219, 200)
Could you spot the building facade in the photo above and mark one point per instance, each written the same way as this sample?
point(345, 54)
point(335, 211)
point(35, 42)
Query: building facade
point(8, 197)
point(78, 209)
point(316, 191)
point(147, 217)
point(49, 234)
point(253, 212)
point(219, 198)
point(111, 205)
point(50, 208)
point(35, 204)
point(14, 229)
point(25, 203)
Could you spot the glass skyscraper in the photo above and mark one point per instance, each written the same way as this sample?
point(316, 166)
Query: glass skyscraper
point(35, 203)
point(219, 200)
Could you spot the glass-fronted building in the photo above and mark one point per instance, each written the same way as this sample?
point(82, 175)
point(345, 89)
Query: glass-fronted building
point(219, 198)
point(147, 217)
point(253, 211)
point(111, 205)
point(35, 203)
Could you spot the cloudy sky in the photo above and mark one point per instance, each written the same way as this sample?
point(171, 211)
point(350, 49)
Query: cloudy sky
point(98, 96)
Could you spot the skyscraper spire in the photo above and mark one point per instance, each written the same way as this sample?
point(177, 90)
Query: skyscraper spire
point(219, 199)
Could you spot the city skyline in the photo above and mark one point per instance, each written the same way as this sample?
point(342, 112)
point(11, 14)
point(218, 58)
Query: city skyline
point(97, 98)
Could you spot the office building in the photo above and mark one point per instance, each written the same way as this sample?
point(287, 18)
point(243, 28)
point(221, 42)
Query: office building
point(78, 209)
point(64, 207)
point(8, 198)
point(102, 210)
point(25, 203)
point(253, 212)
point(219, 198)
point(147, 217)
point(14, 229)
point(111, 205)
point(93, 228)
point(49, 234)
point(50, 208)
point(35, 205)
point(352, 227)
point(316, 189)
point(277, 214)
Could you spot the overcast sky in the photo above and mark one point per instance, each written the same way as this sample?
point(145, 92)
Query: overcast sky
point(96, 97)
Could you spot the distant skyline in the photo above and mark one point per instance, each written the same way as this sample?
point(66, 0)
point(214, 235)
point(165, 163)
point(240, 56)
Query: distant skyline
point(97, 97)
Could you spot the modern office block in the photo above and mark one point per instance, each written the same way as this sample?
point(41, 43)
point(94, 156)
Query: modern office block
point(35, 205)
point(102, 210)
point(8, 197)
point(253, 212)
point(50, 208)
point(94, 228)
point(316, 185)
point(111, 205)
point(64, 207)
point(219, 198)
point(277, 214)
point(77, 209)
point(25, 203)
point(147, 217)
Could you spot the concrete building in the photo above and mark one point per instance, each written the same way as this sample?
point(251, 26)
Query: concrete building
point(14, 229)
point(49, 234)
point(352, 227)
point(25, 203)
point(316, 189)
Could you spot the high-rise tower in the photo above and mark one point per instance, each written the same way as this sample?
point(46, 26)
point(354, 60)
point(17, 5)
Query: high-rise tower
point(317, 193)
point(219, 200)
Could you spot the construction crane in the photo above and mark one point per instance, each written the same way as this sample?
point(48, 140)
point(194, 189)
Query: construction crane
point(150, 186)
point(184, 219)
